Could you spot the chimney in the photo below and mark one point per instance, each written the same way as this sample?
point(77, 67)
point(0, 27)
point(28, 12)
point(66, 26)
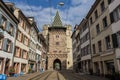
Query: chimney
point(11, 6)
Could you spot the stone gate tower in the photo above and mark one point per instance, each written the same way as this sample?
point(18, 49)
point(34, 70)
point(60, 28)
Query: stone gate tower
point(58, 37)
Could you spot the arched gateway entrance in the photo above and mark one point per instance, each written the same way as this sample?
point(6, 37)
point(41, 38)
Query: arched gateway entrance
point(57, 64)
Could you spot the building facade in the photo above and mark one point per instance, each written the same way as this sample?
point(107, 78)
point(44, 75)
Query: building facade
point(39, 53)
point(33, 45)
point(114, 10)
point(103, 55)
point(22, 46)
point(99, 38)
point(8, 29)
point(75, 65)
point(43, 49)
point(85, 52)
point(59, 55)
point(81, 44)
point(20, 63)
point(76, 49)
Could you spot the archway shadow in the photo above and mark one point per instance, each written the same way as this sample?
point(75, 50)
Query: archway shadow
point(57, 64)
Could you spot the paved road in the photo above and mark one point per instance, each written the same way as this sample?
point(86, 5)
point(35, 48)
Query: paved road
point(57, 75)
point(70, 75)
point(49, 75)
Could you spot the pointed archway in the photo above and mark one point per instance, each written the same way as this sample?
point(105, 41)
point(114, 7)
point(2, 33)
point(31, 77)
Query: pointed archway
point(57, 64)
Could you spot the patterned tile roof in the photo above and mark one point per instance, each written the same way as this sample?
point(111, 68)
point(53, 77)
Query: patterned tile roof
point(57, 21)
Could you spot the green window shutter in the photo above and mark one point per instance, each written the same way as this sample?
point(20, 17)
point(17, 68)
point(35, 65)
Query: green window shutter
point(5, 44)
point(0, 18)
point(8, 26)
point(21, 54)
point(112, 17)
point(13, 32)
point(11, 47)
point(114, 41)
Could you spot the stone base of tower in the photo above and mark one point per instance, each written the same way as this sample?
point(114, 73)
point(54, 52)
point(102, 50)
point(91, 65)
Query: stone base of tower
point(57, 61)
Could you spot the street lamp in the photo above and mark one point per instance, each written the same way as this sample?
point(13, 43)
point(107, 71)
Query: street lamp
point(61, 3)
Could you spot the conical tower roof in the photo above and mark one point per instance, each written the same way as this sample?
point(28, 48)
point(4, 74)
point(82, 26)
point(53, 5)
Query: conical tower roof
point(57, 21)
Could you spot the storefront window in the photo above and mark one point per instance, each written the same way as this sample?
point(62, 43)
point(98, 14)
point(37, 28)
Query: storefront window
point(110, 67)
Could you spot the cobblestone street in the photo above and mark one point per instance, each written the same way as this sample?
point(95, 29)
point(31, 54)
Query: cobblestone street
point(70, 75)
point(57, 75)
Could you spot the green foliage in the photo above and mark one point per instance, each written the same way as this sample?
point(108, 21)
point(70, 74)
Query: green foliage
point(29, 70)
point(11, 70)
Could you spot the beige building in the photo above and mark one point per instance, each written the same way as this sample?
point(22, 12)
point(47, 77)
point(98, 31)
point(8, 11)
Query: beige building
point(22, 46)
point(81, 47)
point(43, 50)
point(59, 44)
point(74, 53)
point(114, 10)
point(76, 49)
point(33, 44)
point(8, 29)
point(85, 53)
point(103, 53)
point(22, 43)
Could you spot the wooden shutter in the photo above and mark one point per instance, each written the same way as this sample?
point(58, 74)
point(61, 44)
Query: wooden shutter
point(8, 26)
point(13, 30)
point(13, 33)
point(112, 18)
point(0, 19)
point(11, 47)
point(114, 40)
point(5, 44)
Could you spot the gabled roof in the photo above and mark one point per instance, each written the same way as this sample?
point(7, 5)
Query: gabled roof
point(57, 21)
point(8, 11)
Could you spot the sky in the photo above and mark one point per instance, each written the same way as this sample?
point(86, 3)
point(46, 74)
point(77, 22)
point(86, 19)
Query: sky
point(44, 11)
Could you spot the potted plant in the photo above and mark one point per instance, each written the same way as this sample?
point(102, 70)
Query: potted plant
point(29, 70)
point(11, 71)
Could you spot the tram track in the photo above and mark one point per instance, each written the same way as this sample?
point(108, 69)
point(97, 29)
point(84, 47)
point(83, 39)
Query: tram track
point(49, 75)
point(43, 76)
point(58, 76)
point(53, 76)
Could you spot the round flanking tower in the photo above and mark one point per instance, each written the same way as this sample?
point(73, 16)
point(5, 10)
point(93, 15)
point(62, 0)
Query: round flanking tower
point(58, 37)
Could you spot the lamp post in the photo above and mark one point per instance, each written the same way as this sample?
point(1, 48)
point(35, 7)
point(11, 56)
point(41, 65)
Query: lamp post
point(60, 4)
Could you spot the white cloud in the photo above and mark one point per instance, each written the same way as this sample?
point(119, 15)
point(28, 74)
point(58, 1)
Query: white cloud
point(76, 2)
point(72, 15)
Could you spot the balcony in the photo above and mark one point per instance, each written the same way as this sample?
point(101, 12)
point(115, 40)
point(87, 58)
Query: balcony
point(108, 52)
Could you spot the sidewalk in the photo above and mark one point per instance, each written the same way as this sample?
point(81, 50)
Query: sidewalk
point(24, 77)
point(91, 77)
